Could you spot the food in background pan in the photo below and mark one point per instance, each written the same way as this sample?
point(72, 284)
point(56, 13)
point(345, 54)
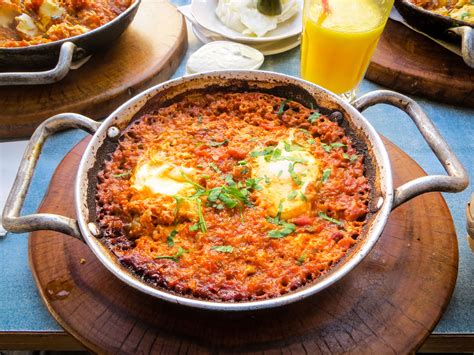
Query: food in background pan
point(30, 22)
point(232, 196)
point(462, 10)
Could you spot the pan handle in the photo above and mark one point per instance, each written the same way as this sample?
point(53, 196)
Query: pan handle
point(457, 179)
point(43, 77)
point(11, 219)
point(467, 43)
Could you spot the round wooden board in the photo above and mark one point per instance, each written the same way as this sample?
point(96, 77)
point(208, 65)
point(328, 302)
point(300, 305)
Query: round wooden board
point(409, 62)
point(388, 304)
point(146, 54)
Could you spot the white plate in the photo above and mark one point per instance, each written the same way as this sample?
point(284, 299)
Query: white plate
point(204, 11)
point(266, 48)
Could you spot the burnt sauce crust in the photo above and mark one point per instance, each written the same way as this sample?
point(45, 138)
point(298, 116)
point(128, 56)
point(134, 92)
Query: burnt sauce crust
point(258, 267)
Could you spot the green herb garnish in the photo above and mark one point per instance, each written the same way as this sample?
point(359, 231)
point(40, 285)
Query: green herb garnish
point(287, 228)
point(213, 143)
point(351, 158)
point(174, 257)
point(310, 141)
point(215, 168)
point(127, 173)
point(292, 195)
point(223, 248)
point(327, 218)
point(290, 147)
point(303, 196)
point(326, 175)
point(282, 107)
point(200, 119)
point(242, 162)
point(301, 259)
point(294, 175)
point(314, 116)
point(170, 238)
point(327, 147)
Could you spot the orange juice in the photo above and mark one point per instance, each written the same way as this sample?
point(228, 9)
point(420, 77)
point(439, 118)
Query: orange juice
point(339, 38)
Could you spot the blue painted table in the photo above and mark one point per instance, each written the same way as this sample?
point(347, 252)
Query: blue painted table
point(25, 322)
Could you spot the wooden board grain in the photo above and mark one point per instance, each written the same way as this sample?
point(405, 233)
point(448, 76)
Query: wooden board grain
point(388, 304)
point(411, 63)
point(146, 54)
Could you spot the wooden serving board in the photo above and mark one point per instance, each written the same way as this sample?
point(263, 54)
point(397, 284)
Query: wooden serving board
point(388, 304)
point(409, 62)
point(146, 54)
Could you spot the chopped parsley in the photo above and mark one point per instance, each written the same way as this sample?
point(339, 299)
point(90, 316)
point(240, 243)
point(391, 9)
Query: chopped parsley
point(242, 162)
point(301, 259)
point(170, 238)
point(292, 195)
point(330, 219)
point(174, 257)
point(314, 116)
point(326, 175)
point(268, 153)
point(328, 147)
point(215, 168)
point(202, 223)
point(273, 153)
point(310, 141)
point(303, 196)
point(294, 175)
point(213, 143)
point(289, 147)
point(125, 174)
point(223, 248)
point(233, 194)
point(267, 179)
point(287, 228)
point(282, 107)
point(253, 183)
point(351, 158)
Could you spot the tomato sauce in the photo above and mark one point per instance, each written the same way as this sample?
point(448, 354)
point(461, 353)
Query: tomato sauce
point(241, 252)
point(30, 22)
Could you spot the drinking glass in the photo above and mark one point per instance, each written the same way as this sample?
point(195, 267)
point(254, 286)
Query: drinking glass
point(338, 40)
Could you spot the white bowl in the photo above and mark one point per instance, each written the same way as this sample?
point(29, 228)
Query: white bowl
point(204, 11)
point(267, 48)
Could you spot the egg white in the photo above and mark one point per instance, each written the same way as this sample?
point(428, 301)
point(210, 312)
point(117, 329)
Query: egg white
point(279, 184)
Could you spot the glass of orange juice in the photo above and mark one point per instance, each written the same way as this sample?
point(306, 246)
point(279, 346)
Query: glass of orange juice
point(338, 40)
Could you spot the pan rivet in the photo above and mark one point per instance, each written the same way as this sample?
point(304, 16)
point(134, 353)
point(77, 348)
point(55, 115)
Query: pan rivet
point(93, 229)
point(113, 132)
point(380, 202)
